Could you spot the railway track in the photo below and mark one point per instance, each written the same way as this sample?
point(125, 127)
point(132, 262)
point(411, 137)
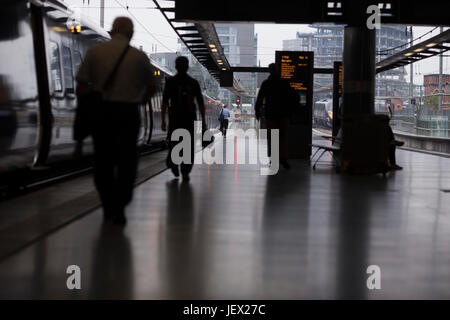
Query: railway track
point(25, 181)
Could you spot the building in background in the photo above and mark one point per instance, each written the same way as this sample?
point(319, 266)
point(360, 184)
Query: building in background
point(327, 43)
point(431, 87)
point(165, 59)
point(208, 84)
point(239, 43)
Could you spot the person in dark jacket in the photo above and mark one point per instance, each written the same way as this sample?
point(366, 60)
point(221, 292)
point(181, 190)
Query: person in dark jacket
point(225, 114)
point(180, 94)
point(393, 144)
point(116, 119)
point(278, 99)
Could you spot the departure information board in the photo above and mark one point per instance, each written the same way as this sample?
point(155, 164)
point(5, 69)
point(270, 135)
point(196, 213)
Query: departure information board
point(338, 67)
point(297, 67)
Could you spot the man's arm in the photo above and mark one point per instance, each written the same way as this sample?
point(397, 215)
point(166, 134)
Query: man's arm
point(82, 89)
point(259, 101)
point(150, 91)
point(83, 76)
point(201, 104)
point(149, 80)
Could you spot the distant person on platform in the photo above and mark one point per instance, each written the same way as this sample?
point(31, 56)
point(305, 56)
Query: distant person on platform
point(180, 94)
point(393, 144)
point(278, 98)
point(225, 117)
point(116, 119)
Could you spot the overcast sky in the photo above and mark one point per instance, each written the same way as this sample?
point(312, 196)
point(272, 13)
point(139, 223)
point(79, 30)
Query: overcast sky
point(154, 33)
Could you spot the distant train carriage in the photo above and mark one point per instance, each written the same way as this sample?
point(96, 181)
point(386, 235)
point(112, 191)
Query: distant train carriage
point(212, 111)
point(323, 113)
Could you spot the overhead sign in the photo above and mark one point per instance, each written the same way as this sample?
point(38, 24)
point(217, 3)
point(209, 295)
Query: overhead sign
point(297, 68)
point(226, 79)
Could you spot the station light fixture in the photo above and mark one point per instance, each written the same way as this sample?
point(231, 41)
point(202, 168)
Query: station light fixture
point(76, 29)
point(408, 54)
point(212, 45)
point(214, 50)
point(431, 44)
point(59, 29)
point(418, 50)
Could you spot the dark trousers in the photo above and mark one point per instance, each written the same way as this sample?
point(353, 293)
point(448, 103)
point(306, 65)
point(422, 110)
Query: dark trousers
point(392, 147)
point(116, 157)
point(282, 124)
point(179, 123)
point(224, 126)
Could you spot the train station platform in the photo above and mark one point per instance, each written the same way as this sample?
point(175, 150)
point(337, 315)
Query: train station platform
point(232, 233)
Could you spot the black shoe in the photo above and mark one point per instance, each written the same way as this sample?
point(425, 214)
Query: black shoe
point(186, 177)
point(285, 164)
point(175, 171)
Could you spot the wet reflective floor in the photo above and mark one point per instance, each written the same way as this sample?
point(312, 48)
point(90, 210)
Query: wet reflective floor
point(232, 233)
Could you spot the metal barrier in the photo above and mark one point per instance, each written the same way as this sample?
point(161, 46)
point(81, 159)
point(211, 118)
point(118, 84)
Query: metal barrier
point(425, 122)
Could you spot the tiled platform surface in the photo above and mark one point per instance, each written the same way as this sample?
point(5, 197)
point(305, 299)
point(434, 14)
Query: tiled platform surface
point(231, 233)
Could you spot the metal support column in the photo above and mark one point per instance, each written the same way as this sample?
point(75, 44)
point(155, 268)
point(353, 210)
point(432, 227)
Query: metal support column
point(411, 75)
point(362, 149)
point(441, 60)
point(359, 70)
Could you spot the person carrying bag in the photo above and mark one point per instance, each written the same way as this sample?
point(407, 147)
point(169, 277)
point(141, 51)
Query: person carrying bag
point(221, 118)
point(88, 103)
point(120, 79)
point(224, 120)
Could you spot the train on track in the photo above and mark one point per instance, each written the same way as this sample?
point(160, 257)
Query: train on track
point(323, 113)
point(41, 48)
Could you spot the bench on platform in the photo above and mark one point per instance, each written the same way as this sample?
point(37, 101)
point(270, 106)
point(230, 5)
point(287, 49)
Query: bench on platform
point(325, 146)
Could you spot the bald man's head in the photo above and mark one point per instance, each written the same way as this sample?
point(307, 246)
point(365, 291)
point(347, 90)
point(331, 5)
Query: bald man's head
point(123, 26)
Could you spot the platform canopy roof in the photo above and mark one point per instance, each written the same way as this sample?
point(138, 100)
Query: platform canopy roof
point(425, 49)
point(410, 12)
point(203, 42)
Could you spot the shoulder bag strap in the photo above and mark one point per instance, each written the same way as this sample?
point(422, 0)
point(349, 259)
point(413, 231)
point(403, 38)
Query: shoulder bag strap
point(111, 77)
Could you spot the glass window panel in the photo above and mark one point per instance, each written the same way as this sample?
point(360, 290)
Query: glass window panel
point(67, 67)
point(55, 67)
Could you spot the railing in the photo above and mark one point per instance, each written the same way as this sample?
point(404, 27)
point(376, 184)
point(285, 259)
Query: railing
point(425, 122)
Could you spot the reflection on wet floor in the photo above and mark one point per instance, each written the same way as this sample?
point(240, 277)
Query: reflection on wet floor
point(231, 233)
